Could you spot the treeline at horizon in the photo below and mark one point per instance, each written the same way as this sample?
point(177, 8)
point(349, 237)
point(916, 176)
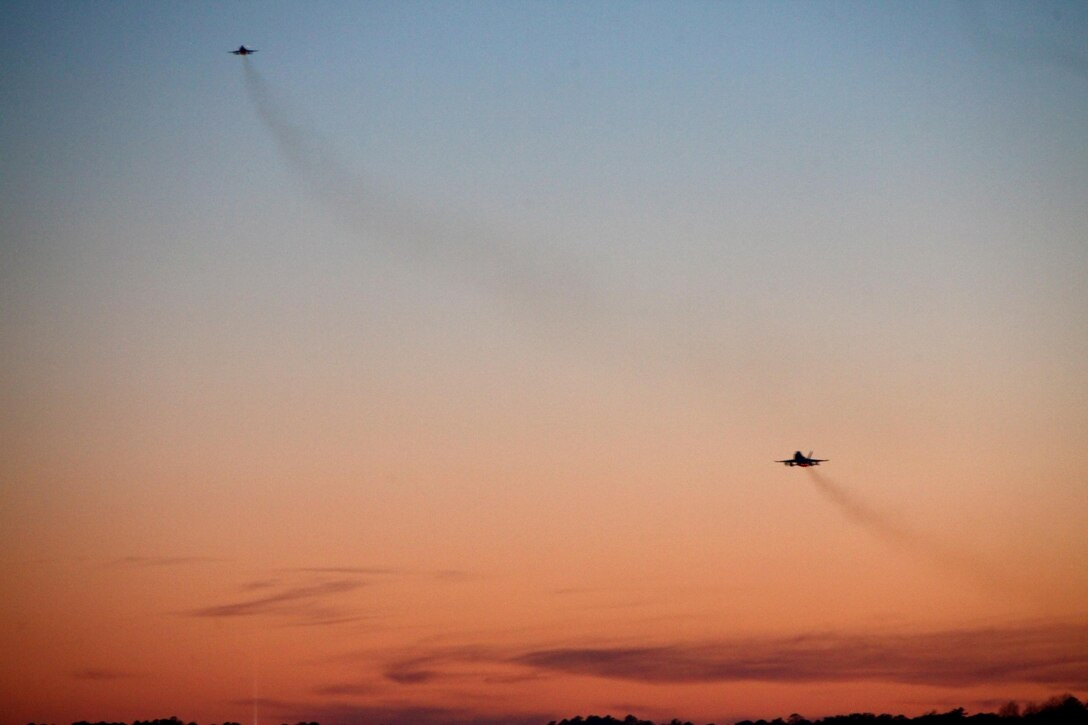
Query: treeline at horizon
point(1058, 710)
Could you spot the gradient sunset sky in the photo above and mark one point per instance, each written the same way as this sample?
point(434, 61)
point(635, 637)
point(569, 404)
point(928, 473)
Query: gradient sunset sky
point(429, 366)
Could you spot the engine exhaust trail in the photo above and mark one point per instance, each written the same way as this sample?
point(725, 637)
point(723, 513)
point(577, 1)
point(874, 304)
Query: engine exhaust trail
point(297, 146)
point(964, 564)
point(857, 511)
point(522, 273)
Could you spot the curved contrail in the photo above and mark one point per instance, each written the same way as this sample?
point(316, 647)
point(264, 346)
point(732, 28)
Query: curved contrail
point(411, 231)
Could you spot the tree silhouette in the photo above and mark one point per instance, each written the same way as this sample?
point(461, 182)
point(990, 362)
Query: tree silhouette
point(1059, 710)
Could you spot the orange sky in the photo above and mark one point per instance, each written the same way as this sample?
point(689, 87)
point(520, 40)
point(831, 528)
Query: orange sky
point(438, 377)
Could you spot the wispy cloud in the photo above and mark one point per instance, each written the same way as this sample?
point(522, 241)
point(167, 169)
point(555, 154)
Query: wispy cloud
point(1054, 655)
point(306, 601)
point(442, 663)
point(391, 713)
point(309, 595)
point(1051, 654)
point(444, 575)
point(95, 674)
point(366, 570)
point(408, 714)
point(351, 689)
point(261, 584)
point(453, 576)
point(155, 561)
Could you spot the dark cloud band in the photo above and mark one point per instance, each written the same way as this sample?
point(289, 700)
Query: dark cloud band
point(1055, 655)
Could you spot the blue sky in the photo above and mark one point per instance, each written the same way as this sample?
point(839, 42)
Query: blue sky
point(765, 193)
point(631, 131)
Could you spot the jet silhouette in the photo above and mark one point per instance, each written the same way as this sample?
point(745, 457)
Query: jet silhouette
point(243, 50)
point(802, 460)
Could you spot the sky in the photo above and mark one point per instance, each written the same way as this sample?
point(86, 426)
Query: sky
point(430, 364)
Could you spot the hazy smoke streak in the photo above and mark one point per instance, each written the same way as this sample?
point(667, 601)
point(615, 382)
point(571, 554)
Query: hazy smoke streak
point(857, 511)
point(959, 562)
point(407, 232)
point(299, 148)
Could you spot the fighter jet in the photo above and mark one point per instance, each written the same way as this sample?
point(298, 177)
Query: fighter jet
point(802, 460)
point(243, 50)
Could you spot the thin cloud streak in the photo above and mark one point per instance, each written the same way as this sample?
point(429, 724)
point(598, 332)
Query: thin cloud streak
point(390, 713)
point(372, 571)
point(435, 665)
point(294, 600)
point(449, 575)
point(352, 689)
point(1054, 655)
point(312, 596)
point(157, 561)
point(92, 674)
point(421, 715)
